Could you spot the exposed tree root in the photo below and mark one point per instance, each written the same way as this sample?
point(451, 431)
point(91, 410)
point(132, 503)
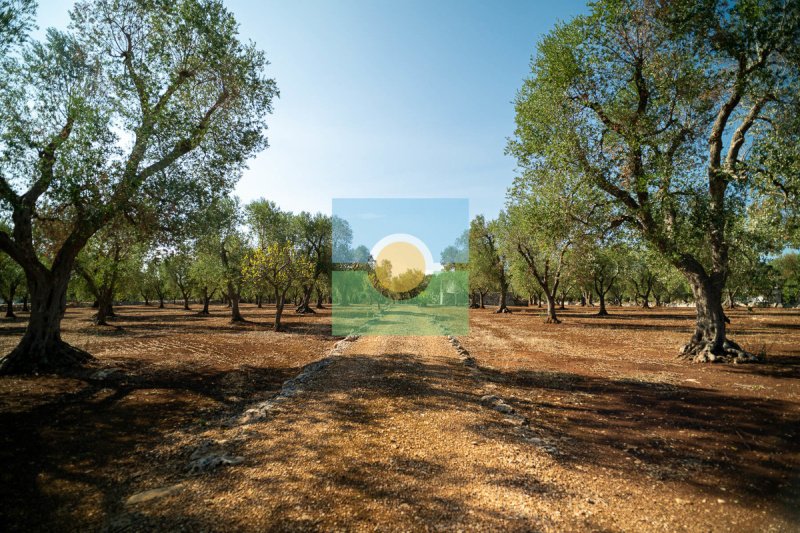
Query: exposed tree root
point(731, 352)
point(62, 358)
point(552, 320)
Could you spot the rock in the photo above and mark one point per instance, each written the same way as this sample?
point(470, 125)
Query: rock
point(104, 373)
point(503, 408)
point(212, 461)
point(152, 494)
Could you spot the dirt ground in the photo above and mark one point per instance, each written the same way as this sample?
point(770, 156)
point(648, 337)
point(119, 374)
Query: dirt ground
point(592, 424)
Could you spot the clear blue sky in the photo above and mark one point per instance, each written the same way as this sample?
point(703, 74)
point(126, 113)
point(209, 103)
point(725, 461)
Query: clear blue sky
point(387, 98)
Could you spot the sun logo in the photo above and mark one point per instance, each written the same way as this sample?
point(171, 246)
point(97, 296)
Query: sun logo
point(402, 262)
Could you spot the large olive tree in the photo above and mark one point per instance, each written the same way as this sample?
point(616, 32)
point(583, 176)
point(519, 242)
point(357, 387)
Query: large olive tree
point(657, 105)
point(138, 104)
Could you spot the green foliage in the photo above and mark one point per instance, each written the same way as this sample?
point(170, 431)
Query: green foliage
point(483, 258)
point(110, 264)
point(633, 98)
point(787, 271)
point(12, 277)
point(279, 266)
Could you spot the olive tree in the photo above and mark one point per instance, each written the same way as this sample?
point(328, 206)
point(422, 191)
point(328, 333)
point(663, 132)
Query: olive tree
point(131, 106)
point(542, 224)
point(653, 104)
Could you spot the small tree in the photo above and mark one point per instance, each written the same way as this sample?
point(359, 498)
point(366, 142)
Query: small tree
point(208, 276)
point(12, 277)
point(280, 267)
point(543, 212)
point(110, 260)
point(178, 266)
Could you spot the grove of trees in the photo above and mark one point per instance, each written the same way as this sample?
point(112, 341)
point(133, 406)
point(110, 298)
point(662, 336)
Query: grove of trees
point(658, 147)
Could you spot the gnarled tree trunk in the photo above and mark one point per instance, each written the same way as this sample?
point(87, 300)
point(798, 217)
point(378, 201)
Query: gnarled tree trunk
point(305, 300)
point(41, 348)
point(320, 299)
point(104, 306)
point(709, 342)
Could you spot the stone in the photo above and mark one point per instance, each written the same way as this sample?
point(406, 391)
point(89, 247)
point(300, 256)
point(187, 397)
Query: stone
point(503, 408)
point(104, 373)
point(212, 461)
point(152, 494)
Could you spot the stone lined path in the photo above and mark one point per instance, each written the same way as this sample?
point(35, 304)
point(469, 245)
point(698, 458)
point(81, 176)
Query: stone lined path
point(392, 433)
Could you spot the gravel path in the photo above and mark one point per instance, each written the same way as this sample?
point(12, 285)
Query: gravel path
point(392, 434)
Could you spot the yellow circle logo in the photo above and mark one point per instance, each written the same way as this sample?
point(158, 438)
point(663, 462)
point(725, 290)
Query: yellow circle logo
point(400, 266)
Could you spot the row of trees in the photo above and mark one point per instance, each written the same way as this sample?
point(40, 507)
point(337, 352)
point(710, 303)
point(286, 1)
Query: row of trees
point(260, 253)
point(614, 267)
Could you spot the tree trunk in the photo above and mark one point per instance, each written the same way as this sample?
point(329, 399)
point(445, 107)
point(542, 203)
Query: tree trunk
point(502, 307)
point(206, 297)
point(233, 297)
point(602, 296)
point(161, 302)
point(186, 302)
point(104, 308)
point(12, 291)
point(551, 309)
point(480, 300)
point(25, 302)
point(731, 299)
point(41, 348)
point(709, 342)
point(320, 299)
point(279, 312)
point(305, 299)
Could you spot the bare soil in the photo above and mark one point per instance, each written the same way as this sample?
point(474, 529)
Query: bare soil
point(609, 431)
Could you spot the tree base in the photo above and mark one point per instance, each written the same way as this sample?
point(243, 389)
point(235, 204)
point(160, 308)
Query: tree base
point(552, 320)
point(305, 310)
point(61, 358)
point(503, 310)
point(474, 306)
point(731, 352)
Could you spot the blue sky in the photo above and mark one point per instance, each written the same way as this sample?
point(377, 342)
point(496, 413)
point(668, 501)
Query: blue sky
point(438, 223)
point(387, 99)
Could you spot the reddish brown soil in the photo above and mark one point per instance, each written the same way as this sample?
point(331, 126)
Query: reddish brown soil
point(72, 448)
point(661, 444)
point(621, 436)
